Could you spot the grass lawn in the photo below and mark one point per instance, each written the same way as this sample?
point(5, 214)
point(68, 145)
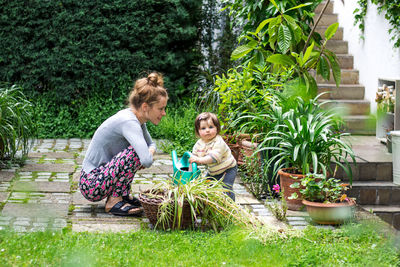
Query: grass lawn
point(352, 245)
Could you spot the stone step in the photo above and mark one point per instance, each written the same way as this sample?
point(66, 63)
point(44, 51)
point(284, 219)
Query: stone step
point(338, 46)
point(344, 91)
point(388, 213)
point(350, 107)
point(375, 193)
point(360, 125)
point(346, 61)
point(348, 77)
point(326, 19)
point(328, 10)
point(373, 164)
point(338, 35)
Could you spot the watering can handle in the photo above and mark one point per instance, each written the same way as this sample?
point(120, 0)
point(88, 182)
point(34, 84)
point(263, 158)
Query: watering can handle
point(174, 156)
point(186, 157)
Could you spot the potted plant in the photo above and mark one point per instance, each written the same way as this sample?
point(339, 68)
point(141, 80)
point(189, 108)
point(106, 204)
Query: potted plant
point(308, 140)
point(169, 206)
point(325, 199)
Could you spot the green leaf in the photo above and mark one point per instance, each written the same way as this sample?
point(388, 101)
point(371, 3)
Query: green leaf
point(295, 185)
point(284, 38)
point(335, 66)
point(293, 196)
point(299, 6)
point(330, 32)
point(241, 51)
point(284, 60)
point(323, 68)
point(308, 52)
point(262, 24)
point(274, 3)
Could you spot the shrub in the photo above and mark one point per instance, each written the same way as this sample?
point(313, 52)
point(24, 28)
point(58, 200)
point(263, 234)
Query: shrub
point(73, 47)
point(17, 126)
point(177, 126)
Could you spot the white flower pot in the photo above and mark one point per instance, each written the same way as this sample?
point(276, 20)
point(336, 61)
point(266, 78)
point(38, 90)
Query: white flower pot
point(396, 156)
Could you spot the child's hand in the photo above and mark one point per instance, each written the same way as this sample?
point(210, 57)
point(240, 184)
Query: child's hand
point(194, 159)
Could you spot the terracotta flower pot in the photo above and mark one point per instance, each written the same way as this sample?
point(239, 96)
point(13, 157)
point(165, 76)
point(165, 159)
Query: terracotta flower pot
point(330, 213)
point(286, 181)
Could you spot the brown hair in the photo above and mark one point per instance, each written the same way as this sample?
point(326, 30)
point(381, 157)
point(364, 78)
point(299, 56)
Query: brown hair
point(147, 90)
point(205, 116)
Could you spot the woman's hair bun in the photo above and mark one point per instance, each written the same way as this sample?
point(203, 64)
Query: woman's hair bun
point(155, 79)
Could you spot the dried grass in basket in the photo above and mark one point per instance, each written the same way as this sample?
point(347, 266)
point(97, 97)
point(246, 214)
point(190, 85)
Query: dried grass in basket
point(151, 210)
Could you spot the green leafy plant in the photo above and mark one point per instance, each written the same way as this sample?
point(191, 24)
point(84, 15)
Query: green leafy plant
point(252, 174)
point(319, 188)
point(207, 200)
point(391, 10)
point(177, 127)
point(289, 52)
point(279, 210)
point(17, 127)
point(308, 140)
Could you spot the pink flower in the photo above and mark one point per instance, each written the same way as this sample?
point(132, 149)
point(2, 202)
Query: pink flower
point(276, 188)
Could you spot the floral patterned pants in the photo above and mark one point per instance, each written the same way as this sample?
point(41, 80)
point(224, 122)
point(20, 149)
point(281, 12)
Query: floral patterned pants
point(111, 179)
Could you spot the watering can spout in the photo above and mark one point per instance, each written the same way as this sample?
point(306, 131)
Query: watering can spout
point(182, 175)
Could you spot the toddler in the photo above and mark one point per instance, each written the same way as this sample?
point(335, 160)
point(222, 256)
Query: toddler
point(211, 150)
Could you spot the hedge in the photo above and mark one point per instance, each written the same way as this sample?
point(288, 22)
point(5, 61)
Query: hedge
point(73, 47)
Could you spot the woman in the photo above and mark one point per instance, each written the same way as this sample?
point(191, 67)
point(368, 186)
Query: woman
point(121, 146)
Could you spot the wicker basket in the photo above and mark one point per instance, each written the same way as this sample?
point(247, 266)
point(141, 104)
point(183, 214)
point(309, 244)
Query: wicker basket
point(151, 207)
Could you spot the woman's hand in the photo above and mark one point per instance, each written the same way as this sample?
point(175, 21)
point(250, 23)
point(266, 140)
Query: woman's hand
point(152, 151)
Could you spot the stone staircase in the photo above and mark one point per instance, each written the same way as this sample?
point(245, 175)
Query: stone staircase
point(373, 185)
point(350, 95)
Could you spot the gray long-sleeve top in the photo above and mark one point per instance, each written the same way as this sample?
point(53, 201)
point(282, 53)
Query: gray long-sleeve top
point(114, 135)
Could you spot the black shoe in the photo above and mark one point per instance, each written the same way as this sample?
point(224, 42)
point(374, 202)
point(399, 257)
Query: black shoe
point(134, 201)
point(120, 210)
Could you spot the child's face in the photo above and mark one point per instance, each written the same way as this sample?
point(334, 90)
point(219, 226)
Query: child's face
point(207, 130)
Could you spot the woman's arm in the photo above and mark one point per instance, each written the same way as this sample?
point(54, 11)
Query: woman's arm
point(132, 132)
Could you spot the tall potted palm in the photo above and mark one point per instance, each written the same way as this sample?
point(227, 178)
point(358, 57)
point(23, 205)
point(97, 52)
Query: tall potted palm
point(307, 141)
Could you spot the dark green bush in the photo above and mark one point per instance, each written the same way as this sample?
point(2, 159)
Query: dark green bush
point(74, 47)
point(177, 127)
point(82, 117)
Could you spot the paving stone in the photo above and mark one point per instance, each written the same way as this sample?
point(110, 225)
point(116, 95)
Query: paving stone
point(49, 168)
point(76, 176)
point(79, 199)
point(246, 200)
point(35, 210)
point(6, 176)
point(4, 186)
point(41, 186)
point(136, 188)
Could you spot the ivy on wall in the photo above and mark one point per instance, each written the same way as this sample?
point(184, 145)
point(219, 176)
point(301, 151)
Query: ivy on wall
point(391, 10)
point(73, 48)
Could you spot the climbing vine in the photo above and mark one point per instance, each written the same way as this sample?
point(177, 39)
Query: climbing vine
point(392, 14)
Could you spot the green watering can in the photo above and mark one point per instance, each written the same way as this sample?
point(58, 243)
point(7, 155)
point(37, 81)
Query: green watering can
point(182, 175)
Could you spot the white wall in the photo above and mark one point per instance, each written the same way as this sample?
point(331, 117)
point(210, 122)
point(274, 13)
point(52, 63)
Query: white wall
point(374, 56)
